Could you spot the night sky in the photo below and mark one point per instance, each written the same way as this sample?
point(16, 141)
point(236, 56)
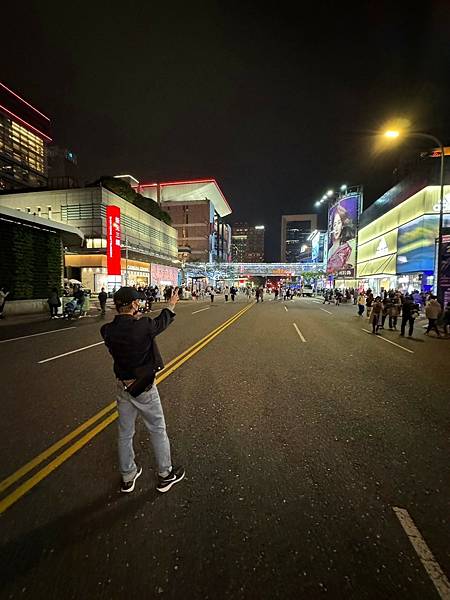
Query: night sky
point(278, 104)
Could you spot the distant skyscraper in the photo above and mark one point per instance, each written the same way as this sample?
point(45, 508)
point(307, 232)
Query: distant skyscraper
point(295, 230)
point(24, 135)
point(247, 243)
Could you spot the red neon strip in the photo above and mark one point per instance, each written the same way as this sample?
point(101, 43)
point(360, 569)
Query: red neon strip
point(25, 123)
point(24, 101)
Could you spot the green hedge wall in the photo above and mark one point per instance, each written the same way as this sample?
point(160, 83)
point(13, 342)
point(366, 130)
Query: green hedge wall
point(31, 261)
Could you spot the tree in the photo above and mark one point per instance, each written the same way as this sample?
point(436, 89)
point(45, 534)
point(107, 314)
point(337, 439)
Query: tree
point(124, 190)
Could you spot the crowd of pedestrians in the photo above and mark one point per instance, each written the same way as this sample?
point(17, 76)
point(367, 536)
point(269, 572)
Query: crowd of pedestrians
point(393, 305)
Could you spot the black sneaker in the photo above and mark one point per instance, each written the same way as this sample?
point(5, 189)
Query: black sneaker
point(175, 475)
point(128, 486)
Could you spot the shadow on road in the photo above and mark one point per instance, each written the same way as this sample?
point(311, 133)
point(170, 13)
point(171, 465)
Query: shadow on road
point(22, 554)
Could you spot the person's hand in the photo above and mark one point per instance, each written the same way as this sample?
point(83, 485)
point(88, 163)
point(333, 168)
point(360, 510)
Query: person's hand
point(173, 298)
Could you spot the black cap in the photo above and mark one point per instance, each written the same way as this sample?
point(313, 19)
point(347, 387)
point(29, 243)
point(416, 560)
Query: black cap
point(125, 296)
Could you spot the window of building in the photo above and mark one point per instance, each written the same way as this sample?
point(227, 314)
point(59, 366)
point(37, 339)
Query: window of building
point(38, 208)
point(49, 211)
point(28, 209)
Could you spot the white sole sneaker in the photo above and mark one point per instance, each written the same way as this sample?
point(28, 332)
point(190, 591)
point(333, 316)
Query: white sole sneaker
point(131, 488)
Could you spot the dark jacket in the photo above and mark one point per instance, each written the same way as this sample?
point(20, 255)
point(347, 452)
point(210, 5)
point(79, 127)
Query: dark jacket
point(131, 342)
point(407, 307)
point(102, 297)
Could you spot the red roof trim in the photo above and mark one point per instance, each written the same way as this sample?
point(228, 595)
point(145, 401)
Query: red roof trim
point(24, 101)
point(49, 139)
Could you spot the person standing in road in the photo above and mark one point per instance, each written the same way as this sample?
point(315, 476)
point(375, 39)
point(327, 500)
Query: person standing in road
point(394, 311)
point(3, 295)
point(130, 340)
point(226, 293)
point(102, 297)
point(361, 303)
point(233, 293)
point(53, 303)
point(211, 294)
point(375, 315)
point(432, 311)
point(410, 311)
point(257, 294)
point(369, 302)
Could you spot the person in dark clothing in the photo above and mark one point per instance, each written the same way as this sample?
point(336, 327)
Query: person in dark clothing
point(102, 297)
point(79, 297)
point(375, 315)
point(131, 342)
point(53, 303)
point(410, 310)
point(233, 291)
point(447, 319)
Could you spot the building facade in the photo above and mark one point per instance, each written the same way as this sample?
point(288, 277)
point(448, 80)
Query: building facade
point(197, 209)
point(247, 243)
point(295, 231)
point(148, 249)
point(397, 239)
point(24, 135)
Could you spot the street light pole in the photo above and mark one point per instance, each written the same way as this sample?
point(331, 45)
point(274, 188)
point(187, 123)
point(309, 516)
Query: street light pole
point(441, 209)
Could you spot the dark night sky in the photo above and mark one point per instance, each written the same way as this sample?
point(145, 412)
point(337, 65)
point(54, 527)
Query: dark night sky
point(276, 104)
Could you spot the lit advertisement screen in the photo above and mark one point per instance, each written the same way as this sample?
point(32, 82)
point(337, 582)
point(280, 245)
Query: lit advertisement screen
point(416, 244)
point(342, 232)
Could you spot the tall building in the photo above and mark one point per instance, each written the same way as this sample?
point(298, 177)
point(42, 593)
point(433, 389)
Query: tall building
point(197, 208)
point(247, 243)
point(295, 231)
point(24, 135)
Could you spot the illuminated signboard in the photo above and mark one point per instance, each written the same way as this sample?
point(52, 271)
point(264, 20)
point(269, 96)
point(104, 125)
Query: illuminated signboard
point(342, 231)
point(113, 246)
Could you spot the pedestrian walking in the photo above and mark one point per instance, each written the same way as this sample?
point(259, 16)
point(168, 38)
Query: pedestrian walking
point(257, 295)
point(361, 304)
point(3, 295)
point(394, 311)
point(375, 315)
point(226, 293)
point(369, 302)
point(211, 294)
point(432, 311)
point(131, 342)
point(54, 303)
point(102, 297)
point(410, 311)
point(233, 292)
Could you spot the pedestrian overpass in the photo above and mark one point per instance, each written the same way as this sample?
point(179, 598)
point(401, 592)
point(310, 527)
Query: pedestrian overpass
point(232, 271)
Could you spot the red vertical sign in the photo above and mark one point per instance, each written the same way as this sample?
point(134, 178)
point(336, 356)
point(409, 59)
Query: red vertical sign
point(113, 239)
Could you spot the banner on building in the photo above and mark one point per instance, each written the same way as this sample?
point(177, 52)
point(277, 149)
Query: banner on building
point(444, 278)
point(113, 245)
point(342, 231)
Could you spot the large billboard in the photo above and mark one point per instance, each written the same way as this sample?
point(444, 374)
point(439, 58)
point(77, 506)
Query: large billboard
point(416, 246)
point(342, 232)
point(113, 246)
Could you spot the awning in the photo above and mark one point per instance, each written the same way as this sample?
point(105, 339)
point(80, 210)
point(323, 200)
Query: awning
point(385, 265)
point(71, 236)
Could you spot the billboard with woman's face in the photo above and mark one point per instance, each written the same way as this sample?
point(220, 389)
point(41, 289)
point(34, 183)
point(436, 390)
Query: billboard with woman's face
point(342, 232)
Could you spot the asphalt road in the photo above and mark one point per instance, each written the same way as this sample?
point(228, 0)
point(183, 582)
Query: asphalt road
point(305, 441)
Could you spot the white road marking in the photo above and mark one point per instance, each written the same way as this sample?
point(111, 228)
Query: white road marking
point(67, 353)
point(389, 342)
point(431, 565)
point(285, 308)
point(317, 302)
point(22, 337)
point(299, 332)
point(197, 311)
point(327, 311)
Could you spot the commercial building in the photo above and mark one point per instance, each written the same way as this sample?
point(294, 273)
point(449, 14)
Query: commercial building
point(197, 209)
point(62, 168)
point(24, 135)
point(247, 243)
point(295, 231)
point(123, 244)
point(397, 239)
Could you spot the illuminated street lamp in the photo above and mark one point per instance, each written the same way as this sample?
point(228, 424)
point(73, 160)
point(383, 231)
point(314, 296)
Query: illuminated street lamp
point(393, 134)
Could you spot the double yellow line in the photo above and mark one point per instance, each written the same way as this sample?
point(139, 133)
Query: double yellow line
point(109, 417)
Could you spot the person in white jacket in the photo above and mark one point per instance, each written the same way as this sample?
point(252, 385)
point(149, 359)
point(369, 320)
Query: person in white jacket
point(432, 311)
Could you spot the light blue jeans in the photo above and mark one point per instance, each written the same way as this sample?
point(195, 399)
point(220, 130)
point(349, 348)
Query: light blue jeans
point(148, 405)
